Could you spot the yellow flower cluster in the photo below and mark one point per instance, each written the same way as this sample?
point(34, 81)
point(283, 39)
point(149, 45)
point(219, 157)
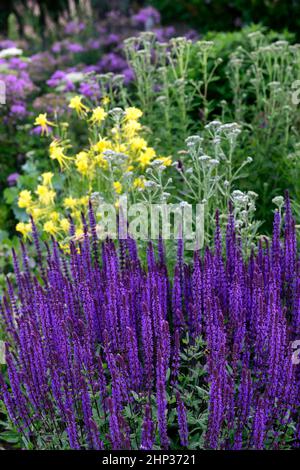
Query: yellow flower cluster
point(112, 163)
point(41, 206)
point(124, 137)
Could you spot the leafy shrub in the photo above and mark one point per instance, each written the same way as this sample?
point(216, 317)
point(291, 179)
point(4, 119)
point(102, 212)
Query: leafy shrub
point(224, 15)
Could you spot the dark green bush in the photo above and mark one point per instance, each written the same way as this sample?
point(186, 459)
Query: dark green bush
point(224, 15)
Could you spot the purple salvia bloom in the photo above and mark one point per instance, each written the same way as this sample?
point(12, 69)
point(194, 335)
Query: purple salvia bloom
point(175, 357)
point(259, 426)
point(133, 360)
point(114, 428)
point(161, 400)
point(244, 398)
point(71, 424)
point(11, 405)
point(147, 348)
point(148, 434)
point(197, 295)
point(85, 334)
point(182, 421)
point(178, 319)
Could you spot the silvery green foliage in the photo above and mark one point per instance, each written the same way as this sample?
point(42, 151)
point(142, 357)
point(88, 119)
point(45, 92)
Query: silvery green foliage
point(210, 171)
point(165, 87)
point(264, 78)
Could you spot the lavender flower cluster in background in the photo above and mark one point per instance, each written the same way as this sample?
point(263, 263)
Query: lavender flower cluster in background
point(95, 339)
point(82, 50)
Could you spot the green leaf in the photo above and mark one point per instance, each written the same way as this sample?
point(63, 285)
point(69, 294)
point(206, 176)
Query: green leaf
point(10, 195)
point(9, 436)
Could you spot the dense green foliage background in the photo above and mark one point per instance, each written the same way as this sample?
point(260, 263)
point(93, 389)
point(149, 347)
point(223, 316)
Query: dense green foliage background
point(224, 15)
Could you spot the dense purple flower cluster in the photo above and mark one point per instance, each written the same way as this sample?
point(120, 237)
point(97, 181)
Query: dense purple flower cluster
point(18, 86)
point(147, 17)
point(95, 339)
point(81, 50)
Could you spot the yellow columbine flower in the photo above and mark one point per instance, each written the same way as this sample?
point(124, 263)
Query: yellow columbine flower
point(46, 195)
point(80, 108)
point(130, 128)
point(138, 143)
point(99, 114)
point(76, 214)
point(82, 163)
point(41, 120)
point(24, 229)
point(102, 145)
point(65, 225)
point(139, 183)
point(165, 161)
point(47, 178)
point(146, 157)
point(54, 216)
point(119, 147)
point(25, 199)
point(100, 161)
point(70, 202)
point(65, 247)
point(133, 114)
point(37, 212)
point(50, 227)
point(78, 233)
point(54, 145)
point(84, 200)
point(105, 100)
point(117, 187)
point(57, 153)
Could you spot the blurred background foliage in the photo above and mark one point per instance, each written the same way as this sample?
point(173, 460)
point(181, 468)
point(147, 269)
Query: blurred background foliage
point(224, 15)
point(203, 15)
